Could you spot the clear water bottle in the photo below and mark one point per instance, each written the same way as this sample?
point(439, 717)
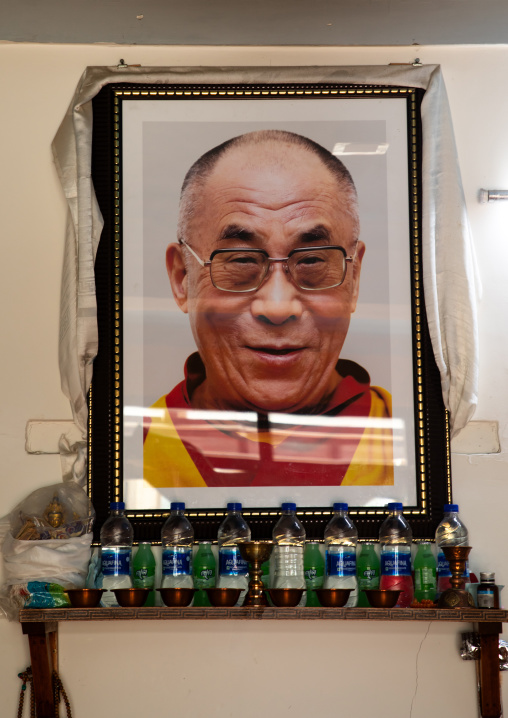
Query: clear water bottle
point(233, 569)
point(341, 538)
point(450, 532)
point(177, 538)
point(287, 557)
point(395, 538)
point(116, 551)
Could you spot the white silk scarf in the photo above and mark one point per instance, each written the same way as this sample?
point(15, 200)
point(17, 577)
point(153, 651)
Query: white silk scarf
point(450, 278)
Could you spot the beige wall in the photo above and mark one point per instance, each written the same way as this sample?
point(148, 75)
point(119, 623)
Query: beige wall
point(216, 669)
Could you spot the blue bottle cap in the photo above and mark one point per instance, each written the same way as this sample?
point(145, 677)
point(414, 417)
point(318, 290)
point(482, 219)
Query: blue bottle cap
point(340, 507)
point(177, 506)
point(288, 506)
point(234, 506)
point(117, 506)
point(395, 506)
point(451, 507)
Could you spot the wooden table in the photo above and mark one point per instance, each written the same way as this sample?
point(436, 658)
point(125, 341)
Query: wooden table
point(41, 627)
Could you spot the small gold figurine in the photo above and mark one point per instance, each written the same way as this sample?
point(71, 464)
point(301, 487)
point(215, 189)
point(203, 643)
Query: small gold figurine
point(54, 513)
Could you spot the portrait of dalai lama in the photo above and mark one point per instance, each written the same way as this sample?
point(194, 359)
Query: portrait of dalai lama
point(266, 265)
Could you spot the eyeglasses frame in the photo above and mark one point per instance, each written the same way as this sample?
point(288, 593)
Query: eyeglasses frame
point(271, 260)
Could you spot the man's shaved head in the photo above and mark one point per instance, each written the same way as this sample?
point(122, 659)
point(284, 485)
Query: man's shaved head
point(201, 170)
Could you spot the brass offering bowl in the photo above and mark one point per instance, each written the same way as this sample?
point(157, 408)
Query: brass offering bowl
point(174, 597)
point(333, 597)
point(286, 597)
point(225, 597)
point(85, 597)
point(131, 597)
point(256, 553)
point(382, 598)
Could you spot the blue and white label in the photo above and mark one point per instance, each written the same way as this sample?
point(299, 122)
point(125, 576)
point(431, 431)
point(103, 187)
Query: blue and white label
point(231, 562)
point(176, 561)
point(341, 562)
point(395, 562)
point(116, 561)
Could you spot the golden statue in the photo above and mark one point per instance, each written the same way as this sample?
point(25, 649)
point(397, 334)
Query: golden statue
point(54, 513)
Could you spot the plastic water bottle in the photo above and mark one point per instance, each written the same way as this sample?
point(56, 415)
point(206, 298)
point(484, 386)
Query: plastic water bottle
point(143, 570)
point(425, 573)
point(116, 551)
point(367, 572)
point(314, 571)
point(177, 538)
point(287, 557)
point(395, 537)
point(204, 573)
point(450, 532)
point(233, 569)
point(341, 538)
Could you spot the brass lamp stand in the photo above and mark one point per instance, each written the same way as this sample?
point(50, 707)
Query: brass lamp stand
point(456, 596)
point(256, 553)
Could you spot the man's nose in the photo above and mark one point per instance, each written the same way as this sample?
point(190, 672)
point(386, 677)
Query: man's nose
point(278, 299)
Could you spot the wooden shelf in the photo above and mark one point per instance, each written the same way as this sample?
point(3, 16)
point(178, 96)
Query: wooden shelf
point(464, 615)
point(41, 627)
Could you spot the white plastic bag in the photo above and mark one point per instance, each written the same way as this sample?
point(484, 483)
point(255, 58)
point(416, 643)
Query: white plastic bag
point(37, 572)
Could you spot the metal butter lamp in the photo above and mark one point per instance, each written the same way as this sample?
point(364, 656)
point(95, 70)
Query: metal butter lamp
point(256, 553)
point(456, 596)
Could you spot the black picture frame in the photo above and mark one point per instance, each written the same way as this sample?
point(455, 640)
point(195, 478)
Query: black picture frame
point(432, 441)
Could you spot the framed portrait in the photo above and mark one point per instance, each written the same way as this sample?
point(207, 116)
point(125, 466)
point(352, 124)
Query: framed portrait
point(262, 332)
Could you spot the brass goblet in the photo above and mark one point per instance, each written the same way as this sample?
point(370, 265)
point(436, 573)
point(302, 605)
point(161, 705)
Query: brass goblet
point(256, 553)
point(456, 596)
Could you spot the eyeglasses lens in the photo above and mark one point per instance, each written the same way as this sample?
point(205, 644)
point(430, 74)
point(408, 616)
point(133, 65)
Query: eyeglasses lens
point(244, 270)
point(321, 268)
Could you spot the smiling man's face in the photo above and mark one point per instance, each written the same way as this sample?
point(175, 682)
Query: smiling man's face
point(274, 349)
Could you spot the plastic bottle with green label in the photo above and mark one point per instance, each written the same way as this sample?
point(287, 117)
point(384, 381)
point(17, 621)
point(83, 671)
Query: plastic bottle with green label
point(314, 571)
point(425, 573)
point(367, 571)
point(143, 570)
point(204, 567)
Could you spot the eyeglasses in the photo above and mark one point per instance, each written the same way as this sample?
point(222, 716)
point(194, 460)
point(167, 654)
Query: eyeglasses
point(244, 269)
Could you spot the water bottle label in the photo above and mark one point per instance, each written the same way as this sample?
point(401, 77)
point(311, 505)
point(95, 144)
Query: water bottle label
point(341, 562)
point(116, 561)
point(443, 567)
point(231, 562)
point(394, 563)
point(176, 561)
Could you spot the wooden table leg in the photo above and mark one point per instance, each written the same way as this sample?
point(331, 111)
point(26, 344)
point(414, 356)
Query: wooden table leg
point(43, 641)
point(490, 676)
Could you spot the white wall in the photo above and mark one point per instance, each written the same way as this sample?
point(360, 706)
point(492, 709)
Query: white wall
point(218, 668)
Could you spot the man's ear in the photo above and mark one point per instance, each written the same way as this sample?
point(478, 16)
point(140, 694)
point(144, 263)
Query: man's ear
point(357, 266)
point(177, 274)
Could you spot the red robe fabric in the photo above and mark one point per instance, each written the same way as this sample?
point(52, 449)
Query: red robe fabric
point(249, 450)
